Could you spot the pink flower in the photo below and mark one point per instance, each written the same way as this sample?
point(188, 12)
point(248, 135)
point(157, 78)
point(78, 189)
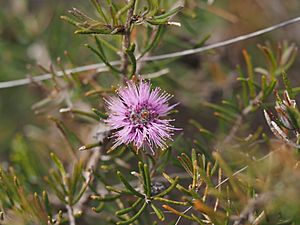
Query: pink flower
point(137, 114)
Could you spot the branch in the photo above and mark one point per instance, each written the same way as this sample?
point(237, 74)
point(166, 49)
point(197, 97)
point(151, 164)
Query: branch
point(126, 39)
point(92, 164)
point(70, 214)
point(102, 66)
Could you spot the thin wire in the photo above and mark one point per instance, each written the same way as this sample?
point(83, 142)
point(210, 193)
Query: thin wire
point(101, 66)
point(224, 43)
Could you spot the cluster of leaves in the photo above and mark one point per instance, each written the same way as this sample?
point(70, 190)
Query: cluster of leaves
point(88, 181)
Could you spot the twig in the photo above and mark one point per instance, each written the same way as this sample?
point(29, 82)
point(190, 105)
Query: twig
point(102, 66)
point(92, 163)
point(69, 206)
point(126, 39)
point(259, 218)
point(70, 214)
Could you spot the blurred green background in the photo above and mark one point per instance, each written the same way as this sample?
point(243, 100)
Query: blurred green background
point(31, 32)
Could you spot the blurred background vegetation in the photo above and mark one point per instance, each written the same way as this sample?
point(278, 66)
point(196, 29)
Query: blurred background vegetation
point(32, 34)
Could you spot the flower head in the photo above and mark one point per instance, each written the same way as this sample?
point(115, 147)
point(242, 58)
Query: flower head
point(137, 116)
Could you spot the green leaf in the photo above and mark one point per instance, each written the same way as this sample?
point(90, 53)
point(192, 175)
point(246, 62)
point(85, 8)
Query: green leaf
point(78, 112)
point(152, 7)
point(71, 138)
point(179, 187)
point(106, 198)
point(76, 175)
point(164, 159)
point(128, 186)
point(104, 60)
point(202, 41)
point(245, 96)
point(99, 9)
point(26, 159)
point(144, 171)
point(134, 218)
point(202, 130)
point(58, 164)
point(129, 209)
point(99, 208)
point(82, 190)
point(100, 48)
point(287, 84)
point(187, 166)
point(165, 200)
point(54, 186)
point(47, 203)
point(195, 169)
point(70, 20)
point(289, 57)
point(250, 73)
point(160, 215)
point(226, 111)
point(232, 105)
point(152, 44)
point(270, 88)
point(157, 21)
point(294, 116)
point(101, 115)
point(130, 53)
point(169, 189)
point(127, 6)
point(168, 14)
point(270, 58)
point(148, 180)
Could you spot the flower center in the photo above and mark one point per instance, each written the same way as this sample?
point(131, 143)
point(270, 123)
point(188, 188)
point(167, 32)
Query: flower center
point(140, 116)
